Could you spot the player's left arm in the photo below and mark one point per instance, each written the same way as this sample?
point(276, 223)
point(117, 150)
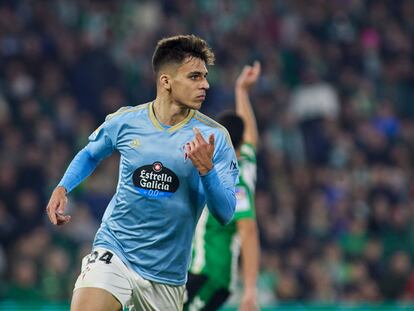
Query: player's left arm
point(247, 229)
point(83, 164)
point(218, 180)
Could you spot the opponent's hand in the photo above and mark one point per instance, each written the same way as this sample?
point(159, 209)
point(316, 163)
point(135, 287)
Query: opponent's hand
point(56, 207)
point(249, 76)
point(249, 302)
point(201, 152)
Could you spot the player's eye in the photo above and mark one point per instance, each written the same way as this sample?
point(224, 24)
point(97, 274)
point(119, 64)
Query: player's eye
point(193, 77)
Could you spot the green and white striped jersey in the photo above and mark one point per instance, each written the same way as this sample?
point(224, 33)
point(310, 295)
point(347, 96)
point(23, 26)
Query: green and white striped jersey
point(216, 248)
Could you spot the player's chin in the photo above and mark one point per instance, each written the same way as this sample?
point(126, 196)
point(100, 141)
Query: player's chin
point(197, 103)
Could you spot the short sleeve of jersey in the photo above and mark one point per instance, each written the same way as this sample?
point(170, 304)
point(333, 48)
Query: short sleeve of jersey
point(245, 189)
point(102, 142)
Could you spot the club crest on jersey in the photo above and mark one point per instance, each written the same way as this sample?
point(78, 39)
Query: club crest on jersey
point(184, 150)
point(155, 180)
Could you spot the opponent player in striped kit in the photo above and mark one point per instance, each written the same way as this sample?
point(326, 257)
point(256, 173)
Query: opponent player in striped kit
point(173, 160)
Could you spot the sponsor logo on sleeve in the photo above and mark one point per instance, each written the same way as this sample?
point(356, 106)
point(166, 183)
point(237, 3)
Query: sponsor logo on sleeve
point(233, 165)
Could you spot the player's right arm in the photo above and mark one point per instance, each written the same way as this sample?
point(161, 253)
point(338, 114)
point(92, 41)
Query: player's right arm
point(250, 253)
point(247, 78)
point(247, 227)
point(101, 144)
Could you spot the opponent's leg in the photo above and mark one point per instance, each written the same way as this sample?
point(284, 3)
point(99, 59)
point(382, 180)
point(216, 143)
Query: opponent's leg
point(194, 283)
point(207, 297)
point(217, 300)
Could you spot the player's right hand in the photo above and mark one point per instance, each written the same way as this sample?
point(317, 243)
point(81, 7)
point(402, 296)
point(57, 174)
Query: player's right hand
point(249, 301)
point(249, 76)
point(56, 207)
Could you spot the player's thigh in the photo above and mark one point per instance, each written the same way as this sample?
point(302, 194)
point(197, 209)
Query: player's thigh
point(94, 299)
point(105, 277)
point(153, 296)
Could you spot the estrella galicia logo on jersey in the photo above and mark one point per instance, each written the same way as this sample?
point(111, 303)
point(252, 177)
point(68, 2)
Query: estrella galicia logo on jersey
point(155, 180)
point(233, 165)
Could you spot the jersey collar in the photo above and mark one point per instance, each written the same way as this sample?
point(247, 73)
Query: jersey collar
point(171, 129)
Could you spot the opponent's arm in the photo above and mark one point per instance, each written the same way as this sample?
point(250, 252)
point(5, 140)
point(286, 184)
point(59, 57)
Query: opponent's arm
point(247, 78)
point(248, 232)
point(221, 200)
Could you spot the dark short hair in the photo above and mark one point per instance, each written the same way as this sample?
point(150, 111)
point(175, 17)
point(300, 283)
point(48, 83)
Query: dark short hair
point(175, 49)
point(234, 125)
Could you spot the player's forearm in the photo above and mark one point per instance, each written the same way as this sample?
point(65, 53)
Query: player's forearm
point(82, 165)
point(245, 111)
point(221, 201)
point(250, 252)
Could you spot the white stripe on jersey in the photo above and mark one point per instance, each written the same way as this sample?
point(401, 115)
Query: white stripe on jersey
point(198, 244)
point(235, 250)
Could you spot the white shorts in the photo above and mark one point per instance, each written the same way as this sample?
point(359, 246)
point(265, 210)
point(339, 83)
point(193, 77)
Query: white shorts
point(103, 269)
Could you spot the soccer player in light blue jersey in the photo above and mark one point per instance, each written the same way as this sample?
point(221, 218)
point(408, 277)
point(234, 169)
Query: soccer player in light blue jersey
point(173, 161)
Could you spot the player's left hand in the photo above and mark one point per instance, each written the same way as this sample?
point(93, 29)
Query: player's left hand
point(200, 152)
point(249, 302)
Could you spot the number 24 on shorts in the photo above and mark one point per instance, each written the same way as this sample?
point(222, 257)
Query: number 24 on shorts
point(106, 257)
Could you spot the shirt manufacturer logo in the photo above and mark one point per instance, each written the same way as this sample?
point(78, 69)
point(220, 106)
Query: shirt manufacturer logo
point(135, 143)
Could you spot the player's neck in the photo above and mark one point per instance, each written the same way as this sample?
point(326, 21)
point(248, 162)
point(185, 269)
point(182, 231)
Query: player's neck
point(169, 113)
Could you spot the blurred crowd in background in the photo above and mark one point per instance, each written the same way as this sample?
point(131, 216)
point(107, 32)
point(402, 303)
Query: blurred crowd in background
point(335, 107)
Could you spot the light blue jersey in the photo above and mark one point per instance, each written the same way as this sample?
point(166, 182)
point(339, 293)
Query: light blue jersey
point(151, 219)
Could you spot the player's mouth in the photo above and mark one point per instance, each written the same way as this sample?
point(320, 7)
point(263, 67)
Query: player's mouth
point(201, 97)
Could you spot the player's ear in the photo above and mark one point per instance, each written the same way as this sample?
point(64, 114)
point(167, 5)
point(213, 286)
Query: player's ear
point(165, 81)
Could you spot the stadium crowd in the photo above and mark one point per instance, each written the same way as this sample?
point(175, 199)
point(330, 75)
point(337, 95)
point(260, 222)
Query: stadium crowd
point(334, 106)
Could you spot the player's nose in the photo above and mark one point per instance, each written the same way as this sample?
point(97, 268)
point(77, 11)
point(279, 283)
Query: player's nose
point(204, 84)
